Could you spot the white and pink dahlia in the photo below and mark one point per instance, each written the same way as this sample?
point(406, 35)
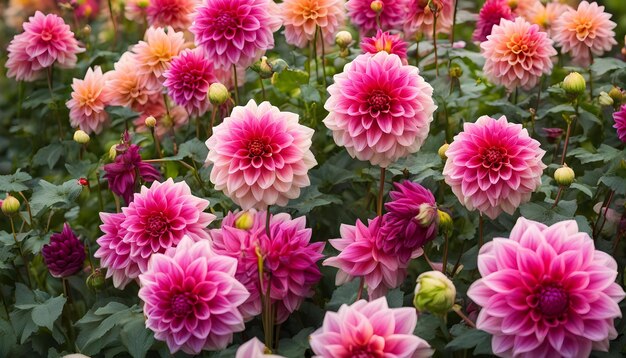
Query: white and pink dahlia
point(90, 96)
point(191, 297)
point(260, 155)
point(114, 252)
point(254, 349)
point(235, 32)
point(379, 109)
point(369, 329)
point(421, 19)
point(517, 54)
point(493, 166)
point(304, 18)
point(584, 32)
point(154, 54)
point(363, 17)
point(546, 292)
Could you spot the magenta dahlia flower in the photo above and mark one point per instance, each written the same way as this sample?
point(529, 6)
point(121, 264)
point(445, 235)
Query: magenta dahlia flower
point(160, 216)
point(19, 63)
point(620, 123)
point(364, 18)
point(584, 32)
point(420, 17)
point(191, 297)
point(260, 156)
point(289, 259)
point(122, 173)
point(114, 252)
point(235, 32)
point(517, 54)
point(493, 166)
point(546, 291)
point(490, 15)
point(385, 41)
point(410, 221)
point(188, 81)
point(369, 329)
point(360, 257)
point(65, 254)
point(379, 109)
point(175, 13)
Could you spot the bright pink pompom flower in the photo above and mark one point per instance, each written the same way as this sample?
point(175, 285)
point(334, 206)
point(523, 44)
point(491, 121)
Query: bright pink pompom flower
point(260, 155)
point(364, 18)
point(114, 253)
point(379, 109)
point(490, 15)
point(369, 329)
point(517, 53)
point(191, 297)
point(385, 41)
point(493, 166)
point(620, 123)
point(546, 292)
point(235, 32)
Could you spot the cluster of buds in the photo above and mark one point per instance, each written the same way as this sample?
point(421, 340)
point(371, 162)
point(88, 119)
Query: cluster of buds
point(266, 67)
point(613, 98)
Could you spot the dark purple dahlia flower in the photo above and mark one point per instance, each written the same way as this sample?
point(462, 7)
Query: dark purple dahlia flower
point(65, 254)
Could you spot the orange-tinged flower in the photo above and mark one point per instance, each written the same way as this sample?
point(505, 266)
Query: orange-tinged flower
point(546, 16)
point(302, 17)
point(89, 97)
point(154, 54)
point(128, 88)
point(523, 7)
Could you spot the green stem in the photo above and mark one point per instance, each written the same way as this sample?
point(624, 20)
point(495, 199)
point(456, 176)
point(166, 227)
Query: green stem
point(213, 115)
point(481, 239)
point(558, 197)
point(317, 74)
point(567, 135)
point(19, 248)
point(262, 88)
point(465, 319)
point(323, 56)
point(157, 144)
point(456, 5)
point(70, 312)
point(359, 294)
point(27, 204)
point(236, 85)
point(446, 243)
point(435, 43)
point(113, 22)
point(443, 325)
point(381, 191)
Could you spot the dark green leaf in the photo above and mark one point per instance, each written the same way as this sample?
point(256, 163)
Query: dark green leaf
point(49, 195)
point(14, 182)
point(46, 313)
point(49, 155)
point(468, 339)
point(136, 337)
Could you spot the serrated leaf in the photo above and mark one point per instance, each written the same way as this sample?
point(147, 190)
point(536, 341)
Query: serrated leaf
point(601, 66)
point(14, 182)
point(344, 294)
point(289, 80)
point(311, 198)
point(297, 345)
point(50, 195)
point(468, 339)
point(46, 313)
point(194, 149)
point(49, 155)
point(136, 337)
point(582, 188)
point(23, 324)
point(615, 183)
point(7, 338)
point(604, 153)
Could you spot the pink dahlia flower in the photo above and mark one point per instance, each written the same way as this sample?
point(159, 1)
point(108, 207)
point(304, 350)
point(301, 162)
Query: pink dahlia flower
point(490, 14)
point(517, 53)
point(154, 54)
point(260, 155)
point(235, 32)
point(89, 98)
point(135, 10)
point(123, 174)
point(188, 81)
point(620, 123)
point(523, 7)
point(410, 221)
point(585, 31)
point(129, 88)
point(385, 41)
point(364, 18)
point(303, 17)
point(114, 253)
point(254, 349)
point(420, 18)
point(379, 109)
point(289, 259)
point(546, 15)
point(493, 166)
point(546, 291)
point(191, 297)
point(19, 64)
point(369, 329)
point(159, 217)
point(360, 257)
point(175, 13)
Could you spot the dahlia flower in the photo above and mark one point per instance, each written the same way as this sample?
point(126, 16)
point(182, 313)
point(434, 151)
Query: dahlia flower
point(369, 329)
point(128, 88)
point(523, 7)
point(410, 221)
point(493, 166)
point(122, 174)
point(188, 81)
point(302, 18)
point(289, 260)
point(517, 53)
point(19, 64)
point(260, 156)
point(154, 54)
point(134, 10)
point(490, 14)
point(65, 254)
point(364, 18)
point(553, 134)
point(160, 216)
point(166, 124)
point(584, 32)
point(546, 291)
point(235, 32)
point(620, 123)
point(89, 97)
point(175, 13)
point(420, 18)
point(254, 349)
point(384, 41)
point(360, 257)
point(379, 109)
point(546, 15)
point(191, 297)
point(114, 252)
point(17, 11)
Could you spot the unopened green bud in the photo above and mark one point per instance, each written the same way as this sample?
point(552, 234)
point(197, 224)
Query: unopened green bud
point(605, 99)
point(376, 5)
point(445, 221)
point(150, 122)
point(442, 151)
point(343, 39)
point(434, 293)
point(142, 4)
point(81, 137)
point(263, 68)
point(218, 94)
point(113, 152)
point(564, 176)
point(245, 220)
point(616, 95)
point(574, 84)
point(455, 72)
point(96, 280)
point(10, 205)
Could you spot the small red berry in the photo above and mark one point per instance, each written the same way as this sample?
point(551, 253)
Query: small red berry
point(83, 181)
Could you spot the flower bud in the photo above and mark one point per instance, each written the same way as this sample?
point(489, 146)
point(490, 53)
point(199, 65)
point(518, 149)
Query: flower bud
point(376, 5)
point(113, 152)
point(605, 99)
point(574, 84)
point(455, 72)
point(245, 221)
point(83, 182)
point(10, 205)
point(218, 94)
point(87, 30)
point(434, 293)
point(427, 215)
point(343, 39)
point(150, 122)
point(445, 221)
point(263, 68)
point(95, 281)
point(142, 4)
point(81, 137)
point(616, 95)
point(442, 151)
point(564, 176)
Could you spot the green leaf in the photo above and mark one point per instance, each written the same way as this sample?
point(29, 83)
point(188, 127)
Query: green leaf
point(297, 345)
point(395, 298)
point(468, 339)
point(344, 294)
point(46, 313)
point(585, 189)
point(136, 337)
point(7, 338)
point(310, 198)
point(601, 66)
point(49, 154)
point(194, 149)
point(427, 326)
point(23, 324)
point(289, 80)
point(49, 195)
point(604, 153)
point(615, 183)
point(14, 182)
